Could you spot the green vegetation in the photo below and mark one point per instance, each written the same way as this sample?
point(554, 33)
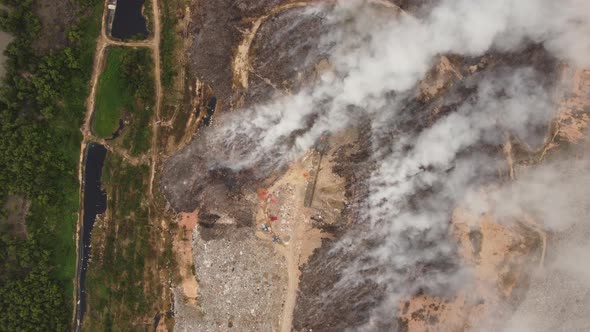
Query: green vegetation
point(148, 13)
point(123, 284)
point(168, 41)
point(29, 299)
point(111, 95)
point(41, 110)
point(126, 89)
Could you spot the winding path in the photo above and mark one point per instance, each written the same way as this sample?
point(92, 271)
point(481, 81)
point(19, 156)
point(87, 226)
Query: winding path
point(102, 43)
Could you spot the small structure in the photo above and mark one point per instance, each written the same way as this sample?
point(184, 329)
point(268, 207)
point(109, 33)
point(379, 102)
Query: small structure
point(112, 7)
point(321, 147)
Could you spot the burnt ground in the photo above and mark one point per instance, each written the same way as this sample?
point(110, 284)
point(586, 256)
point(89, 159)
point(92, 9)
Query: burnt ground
point(215, 29)
point(297, 33)
point(323, 270)
point(241, 279)
point(283, 48)
point(211, 62)
point(56, 18)
point(351, 307)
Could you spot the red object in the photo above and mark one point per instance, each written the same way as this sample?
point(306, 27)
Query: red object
point(274, 218)
point(273, 201)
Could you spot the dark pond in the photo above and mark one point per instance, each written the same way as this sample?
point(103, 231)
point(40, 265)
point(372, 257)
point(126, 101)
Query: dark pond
point(210, 111)
point(157, 320)
point(95, 203)
point(117, 133)
point(129, 21)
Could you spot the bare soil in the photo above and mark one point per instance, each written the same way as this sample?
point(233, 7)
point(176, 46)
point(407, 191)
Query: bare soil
point(557, 297)
point(182, 246)
point(500, 259)
point(56, 17)
point(13, 215)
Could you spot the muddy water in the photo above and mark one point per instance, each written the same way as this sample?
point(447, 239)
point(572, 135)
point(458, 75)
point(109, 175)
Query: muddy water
point(129, 20)
point(95, 203)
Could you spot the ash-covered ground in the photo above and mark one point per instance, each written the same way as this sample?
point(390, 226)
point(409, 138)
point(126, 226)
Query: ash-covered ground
point(216, 32)
point(443, 113)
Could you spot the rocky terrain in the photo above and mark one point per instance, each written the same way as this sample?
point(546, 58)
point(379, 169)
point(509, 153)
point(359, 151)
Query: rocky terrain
point(327, 263)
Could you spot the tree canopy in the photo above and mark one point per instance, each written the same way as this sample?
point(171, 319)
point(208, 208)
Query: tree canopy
point(41, 109)
point(29, 299)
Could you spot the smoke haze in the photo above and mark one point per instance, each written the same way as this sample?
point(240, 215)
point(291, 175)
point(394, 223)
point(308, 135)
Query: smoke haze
point(377, 59)
point(374, 56)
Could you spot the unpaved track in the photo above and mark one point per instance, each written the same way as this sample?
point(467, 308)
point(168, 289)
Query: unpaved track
point(292, 257)
point(102, 43)
point(155, 47)
point(86, 135)
point(135, 161)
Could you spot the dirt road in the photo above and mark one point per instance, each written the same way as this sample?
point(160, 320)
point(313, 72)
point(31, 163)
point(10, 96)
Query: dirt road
point(155, 47)
point(102, 43)
point(302, 237)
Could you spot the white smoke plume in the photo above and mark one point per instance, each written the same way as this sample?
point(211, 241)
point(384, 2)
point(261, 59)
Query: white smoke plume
point(377, 62)
point(433, 170)
point(374, 55)
point(557, 195)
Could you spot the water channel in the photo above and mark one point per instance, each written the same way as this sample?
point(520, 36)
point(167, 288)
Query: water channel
point(129, 21)
point(95, 203)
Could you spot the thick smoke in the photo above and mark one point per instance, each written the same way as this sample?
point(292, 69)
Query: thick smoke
point(554, 193)
point(557, 195)
point(377, 60)
point(416, 186)
point(374, 56)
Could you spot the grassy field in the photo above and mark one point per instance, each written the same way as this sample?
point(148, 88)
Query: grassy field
point(112, 95)
point(123, 284)
point(125, 89)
